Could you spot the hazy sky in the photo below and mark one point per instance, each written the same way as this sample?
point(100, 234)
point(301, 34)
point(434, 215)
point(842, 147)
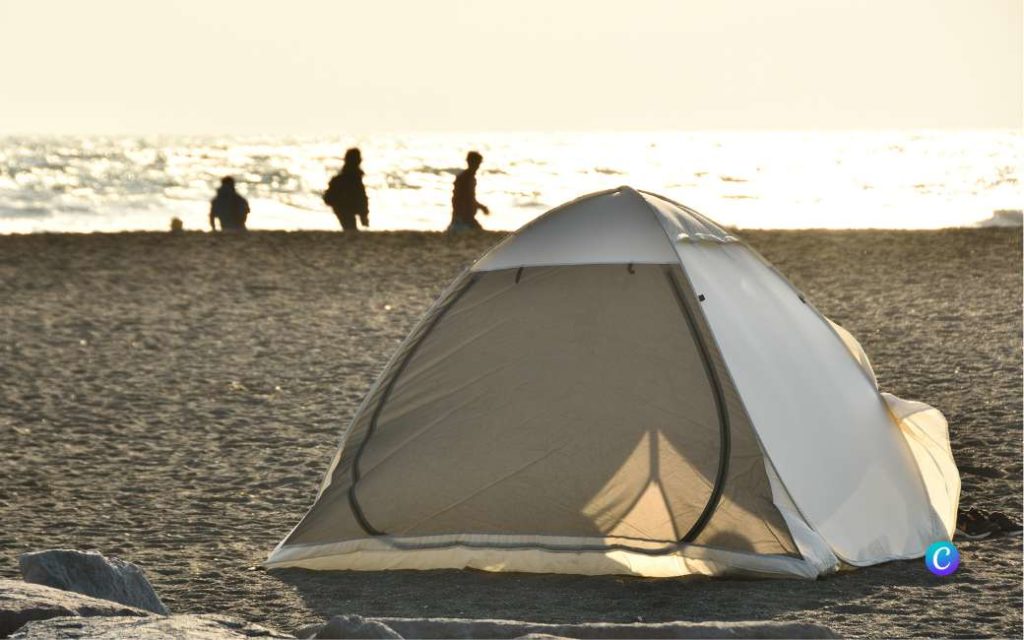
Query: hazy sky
point(330, 67)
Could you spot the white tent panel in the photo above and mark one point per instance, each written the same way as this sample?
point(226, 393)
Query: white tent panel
point(684, 224)
point(927, 434)
point(815, 551)
point(850, 472)
point(613, 227)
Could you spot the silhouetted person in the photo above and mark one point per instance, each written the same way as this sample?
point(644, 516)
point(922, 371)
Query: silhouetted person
point(346, 194)
point(464, 204)
point(230, 208)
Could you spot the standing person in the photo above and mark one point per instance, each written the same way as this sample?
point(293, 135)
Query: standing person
point(229, 207)
point(464, 204)
point(346, 195)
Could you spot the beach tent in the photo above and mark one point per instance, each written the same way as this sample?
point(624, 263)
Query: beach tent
point(624, 387)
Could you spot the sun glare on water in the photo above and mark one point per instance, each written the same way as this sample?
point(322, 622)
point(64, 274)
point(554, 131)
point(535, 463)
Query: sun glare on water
point(748, 180)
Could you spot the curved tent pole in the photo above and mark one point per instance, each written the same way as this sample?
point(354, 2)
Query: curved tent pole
point(691, 316)
point(821, 316)
point(712, 376)
point(353, 502)
point(723, 414)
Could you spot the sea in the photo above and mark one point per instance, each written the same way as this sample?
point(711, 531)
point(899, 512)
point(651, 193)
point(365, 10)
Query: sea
point(766, 180)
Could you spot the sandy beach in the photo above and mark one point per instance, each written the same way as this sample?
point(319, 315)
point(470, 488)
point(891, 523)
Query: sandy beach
point(174, 399)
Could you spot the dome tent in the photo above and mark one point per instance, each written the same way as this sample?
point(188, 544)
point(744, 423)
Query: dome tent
point(623, 387)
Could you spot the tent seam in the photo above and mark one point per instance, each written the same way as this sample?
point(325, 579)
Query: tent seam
point(714, 340)
point(725, 425)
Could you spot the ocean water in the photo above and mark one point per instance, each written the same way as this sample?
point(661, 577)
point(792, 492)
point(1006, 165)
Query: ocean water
point(749, 180)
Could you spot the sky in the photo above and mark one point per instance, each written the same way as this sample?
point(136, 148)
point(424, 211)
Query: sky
point(324, 67)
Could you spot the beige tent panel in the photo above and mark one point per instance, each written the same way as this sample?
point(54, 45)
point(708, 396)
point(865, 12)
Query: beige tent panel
point(559, 401)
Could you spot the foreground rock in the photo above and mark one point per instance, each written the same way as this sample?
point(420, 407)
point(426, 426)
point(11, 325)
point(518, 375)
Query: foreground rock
point(92, 574)
point(21, 602)
point(359, 627)
point(205, 627)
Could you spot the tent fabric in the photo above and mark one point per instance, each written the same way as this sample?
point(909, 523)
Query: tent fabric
point(746, 516)
point(763, 325)
point(623, 387)
point(611, 227)
point(328, 519)
point(927, 434)
point(813, 549)
point(584, 556)
point(510, 384)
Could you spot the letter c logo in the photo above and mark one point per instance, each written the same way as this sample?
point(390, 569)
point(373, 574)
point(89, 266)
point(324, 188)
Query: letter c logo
point(942, 558)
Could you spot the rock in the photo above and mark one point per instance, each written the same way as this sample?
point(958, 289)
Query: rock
point(204, 627)
point(22, 602)
point(91, 574)
point(355, 627)
point(348, 627)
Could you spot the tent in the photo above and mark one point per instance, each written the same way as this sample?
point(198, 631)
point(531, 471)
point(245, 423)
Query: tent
point(624, 387)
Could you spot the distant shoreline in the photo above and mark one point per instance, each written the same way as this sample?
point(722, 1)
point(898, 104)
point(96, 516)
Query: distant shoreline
point(795, 180)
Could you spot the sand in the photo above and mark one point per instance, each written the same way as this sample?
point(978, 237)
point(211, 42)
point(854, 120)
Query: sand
point(174, 400)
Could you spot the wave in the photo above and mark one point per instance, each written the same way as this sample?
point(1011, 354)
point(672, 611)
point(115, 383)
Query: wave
point(1004, 218)
point(24, 213)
